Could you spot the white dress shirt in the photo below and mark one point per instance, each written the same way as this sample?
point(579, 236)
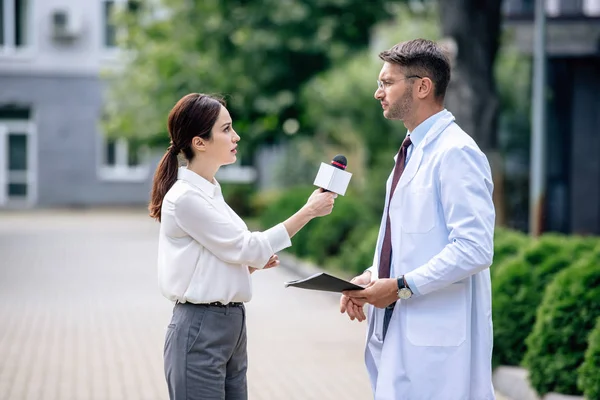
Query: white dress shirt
point(205, 248)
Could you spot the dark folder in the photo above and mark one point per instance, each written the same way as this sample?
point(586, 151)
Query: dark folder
point(324, 282)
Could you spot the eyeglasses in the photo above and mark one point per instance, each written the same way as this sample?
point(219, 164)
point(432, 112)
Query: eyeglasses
point(386, 84)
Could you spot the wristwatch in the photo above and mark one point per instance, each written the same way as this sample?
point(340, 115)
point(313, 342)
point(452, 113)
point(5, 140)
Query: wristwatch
point(404, 291)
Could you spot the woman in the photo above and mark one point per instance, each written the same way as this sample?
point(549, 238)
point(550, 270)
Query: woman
point(206, 253)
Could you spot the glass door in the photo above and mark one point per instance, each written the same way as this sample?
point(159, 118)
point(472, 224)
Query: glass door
point(16, 173)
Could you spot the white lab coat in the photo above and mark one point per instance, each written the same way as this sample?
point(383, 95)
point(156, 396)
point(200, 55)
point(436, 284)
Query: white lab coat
point(439, 342)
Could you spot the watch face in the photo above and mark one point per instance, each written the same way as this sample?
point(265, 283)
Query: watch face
point(404, 293)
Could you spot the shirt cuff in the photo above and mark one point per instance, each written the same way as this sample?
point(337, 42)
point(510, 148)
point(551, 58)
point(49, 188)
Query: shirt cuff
point(278, 238)
point(371, 269)
point(411, 285)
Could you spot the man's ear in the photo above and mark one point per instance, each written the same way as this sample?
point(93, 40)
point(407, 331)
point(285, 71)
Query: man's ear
point(198, 143)
point(425, 87)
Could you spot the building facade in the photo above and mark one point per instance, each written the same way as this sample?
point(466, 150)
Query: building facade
point(572, 200)
point(52, 149)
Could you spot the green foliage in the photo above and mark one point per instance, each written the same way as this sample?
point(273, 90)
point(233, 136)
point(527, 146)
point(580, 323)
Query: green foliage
point(257, 53)
point(284, 205)
point(589, 372)
point(328, 234)
point(566, 316)
point(507, 244)
point(339, 105)
point(238, 196)
point(300, 163)
point(357, 252)
point(323, 237)
point(518, 287)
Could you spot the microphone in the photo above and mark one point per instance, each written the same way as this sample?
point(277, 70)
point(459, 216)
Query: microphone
point(334, 177)
point(339, 161)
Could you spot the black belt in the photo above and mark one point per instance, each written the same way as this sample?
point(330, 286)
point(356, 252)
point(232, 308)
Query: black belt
point(219, 304)
point(215, 304)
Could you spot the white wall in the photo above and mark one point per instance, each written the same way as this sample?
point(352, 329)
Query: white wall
point(84, 55)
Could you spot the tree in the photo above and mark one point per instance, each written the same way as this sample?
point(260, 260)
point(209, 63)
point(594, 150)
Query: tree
point(473, 28)
point(256, 52)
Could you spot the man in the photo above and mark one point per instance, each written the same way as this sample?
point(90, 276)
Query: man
point(430, 326)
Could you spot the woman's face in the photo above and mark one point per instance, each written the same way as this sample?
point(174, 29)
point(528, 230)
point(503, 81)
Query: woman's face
point(222, 148)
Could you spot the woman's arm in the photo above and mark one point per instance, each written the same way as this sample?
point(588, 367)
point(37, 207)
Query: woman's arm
point(319, 204)
point(233, 244)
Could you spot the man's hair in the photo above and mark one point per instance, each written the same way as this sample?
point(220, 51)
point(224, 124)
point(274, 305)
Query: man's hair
point(424, 58)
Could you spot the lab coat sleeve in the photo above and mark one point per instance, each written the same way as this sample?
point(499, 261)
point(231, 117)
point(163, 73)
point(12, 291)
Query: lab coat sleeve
point(465, 190)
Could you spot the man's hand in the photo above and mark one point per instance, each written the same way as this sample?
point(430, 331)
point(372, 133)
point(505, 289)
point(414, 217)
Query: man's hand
point(354, 307)
point(380, 293)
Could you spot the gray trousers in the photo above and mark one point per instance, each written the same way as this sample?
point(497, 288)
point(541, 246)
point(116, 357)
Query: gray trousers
point(205, 353)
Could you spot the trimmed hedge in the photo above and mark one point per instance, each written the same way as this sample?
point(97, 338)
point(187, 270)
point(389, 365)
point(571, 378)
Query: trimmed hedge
point(507, 244)
point(589, 372)
point(567, 314)
point(518, 288)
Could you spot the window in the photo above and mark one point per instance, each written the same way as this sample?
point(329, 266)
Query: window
point(110, 28)
point(14, 24)
point(571, 7)
point(124, 160)
point(17, 164)
point(17, 149)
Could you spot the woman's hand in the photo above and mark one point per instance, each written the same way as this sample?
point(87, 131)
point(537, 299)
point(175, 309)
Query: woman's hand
point(273, 262)
point(320, 203)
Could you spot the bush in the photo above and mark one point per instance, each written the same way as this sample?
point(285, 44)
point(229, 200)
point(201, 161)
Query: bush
point(239, 197)
point(507, 244)
point(567, 314)
point(322, 238)
point(327, 234)
point(518, 288)
point(357, 252)
point(589, 372)
point(284, 205)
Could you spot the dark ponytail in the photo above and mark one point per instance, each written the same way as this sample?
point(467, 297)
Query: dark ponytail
point(164, 177)
point(193, 115)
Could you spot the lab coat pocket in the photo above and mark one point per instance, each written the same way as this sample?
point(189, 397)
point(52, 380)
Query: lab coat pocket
point(438, 318)
point(418, 211)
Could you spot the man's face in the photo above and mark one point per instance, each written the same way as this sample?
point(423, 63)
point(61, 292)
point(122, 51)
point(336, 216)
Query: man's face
point(395, 92)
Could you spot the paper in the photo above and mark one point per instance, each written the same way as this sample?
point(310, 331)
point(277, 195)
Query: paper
point(324, 282)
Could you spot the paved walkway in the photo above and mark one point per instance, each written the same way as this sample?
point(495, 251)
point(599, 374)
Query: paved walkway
point(81, 318)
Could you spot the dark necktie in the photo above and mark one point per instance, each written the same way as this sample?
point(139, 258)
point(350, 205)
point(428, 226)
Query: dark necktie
point(386, 248)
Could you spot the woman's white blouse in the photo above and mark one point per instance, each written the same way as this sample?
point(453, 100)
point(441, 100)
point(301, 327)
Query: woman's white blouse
point(205, 248)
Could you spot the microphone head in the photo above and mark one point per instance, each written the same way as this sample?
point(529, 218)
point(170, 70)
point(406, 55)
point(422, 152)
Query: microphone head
point(339, 161)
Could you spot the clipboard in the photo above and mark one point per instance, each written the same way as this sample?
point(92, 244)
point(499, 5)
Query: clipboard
point(324, 282)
